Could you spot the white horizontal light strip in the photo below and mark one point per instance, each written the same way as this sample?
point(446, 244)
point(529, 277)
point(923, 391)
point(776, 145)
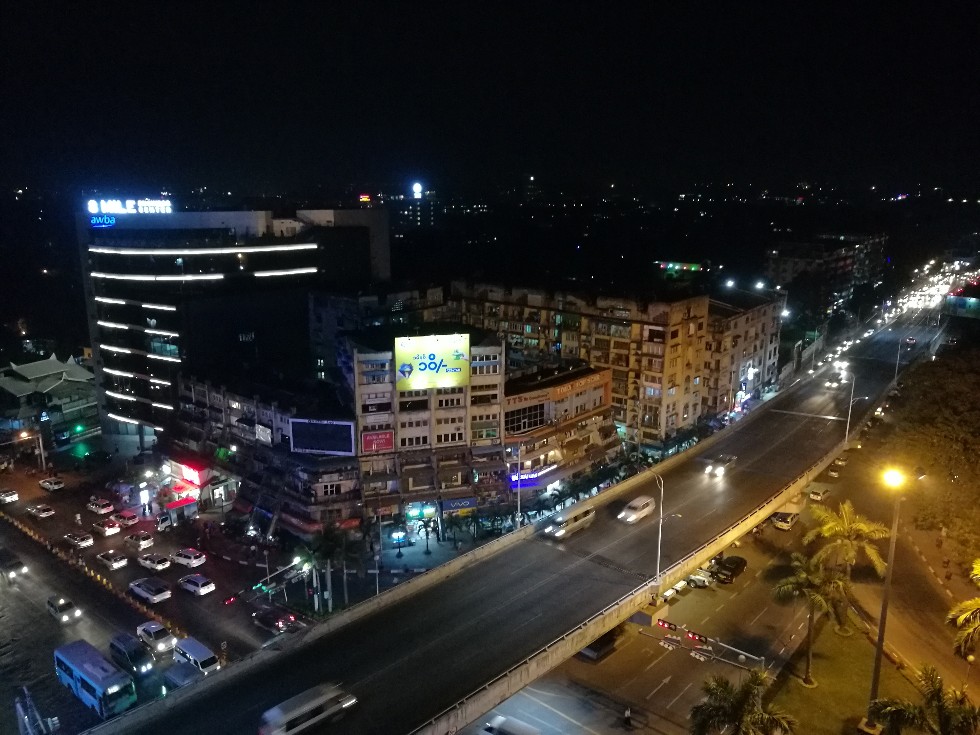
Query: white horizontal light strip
point(288, 272)
point(160, 382)
point(110, 348)
point(162, 357)
point(106, 300)
point(120, 396)
point(159, 307)
point(149, 277)
point(163, 405)
point(112, 325)
point(120, 373)
point(117, 325)
point(122, 418)
point(162, 332)
point(204, 251)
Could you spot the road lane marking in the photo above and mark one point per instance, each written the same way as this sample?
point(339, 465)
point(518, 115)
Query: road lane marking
point(757, 617)
point(808, 415)
point(718, 609)
point(561, 714)
point(705, 620)
point(679, 696)
point(657, 689)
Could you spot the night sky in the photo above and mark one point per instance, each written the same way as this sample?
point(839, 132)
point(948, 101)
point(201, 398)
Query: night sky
point(281, 95)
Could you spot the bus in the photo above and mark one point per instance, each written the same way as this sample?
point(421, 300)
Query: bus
point(98, 683)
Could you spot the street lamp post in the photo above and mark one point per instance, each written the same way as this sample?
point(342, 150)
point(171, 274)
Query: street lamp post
point(847, 431)
point(660, 528)
point(969, 667)
point(894, 479)
point(898, 355)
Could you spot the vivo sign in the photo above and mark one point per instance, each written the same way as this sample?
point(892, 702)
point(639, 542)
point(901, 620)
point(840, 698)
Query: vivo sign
point(104, 211)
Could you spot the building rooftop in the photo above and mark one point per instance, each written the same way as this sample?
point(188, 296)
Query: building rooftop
point(382, 338)
point(307, 399)
point(549, 377)
point(731, 302)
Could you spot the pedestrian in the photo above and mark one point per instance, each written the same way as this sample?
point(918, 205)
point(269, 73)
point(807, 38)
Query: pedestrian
point(78, 519)
point(628, 718)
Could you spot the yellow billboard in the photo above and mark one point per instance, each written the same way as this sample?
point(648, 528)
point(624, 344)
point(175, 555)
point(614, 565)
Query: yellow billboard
point(433, 361)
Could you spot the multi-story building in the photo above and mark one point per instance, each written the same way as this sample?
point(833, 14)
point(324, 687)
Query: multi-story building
point(429, 419)
point(557, 423)
point(169, 291)
point(741, 351)
point(839, 262)
point(654, 349)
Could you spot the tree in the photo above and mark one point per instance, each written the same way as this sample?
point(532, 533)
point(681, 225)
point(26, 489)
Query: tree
point(849, 534)
point(966, 617)
point(941, 712)
point(738, 710)
point(822, 590)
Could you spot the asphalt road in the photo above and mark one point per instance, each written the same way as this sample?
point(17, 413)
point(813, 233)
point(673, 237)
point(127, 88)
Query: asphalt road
point(416, 658)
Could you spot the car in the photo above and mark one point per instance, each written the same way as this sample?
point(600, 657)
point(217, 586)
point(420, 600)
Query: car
point(189, 557)
point(10, 565)
point(841, 461)
point(833, 472)
point(125, 518)
point(639, 507)
point(869, 333)
point(9, 496)
point(701, 578)
point(910, 341)
point(101, 506)
point(726, 569)
point(819, 493)
point(99, 457)
point(919, 473)
point(63, 610)
point(151, 589)
point(275, 621)
point(139, 541)
point(51, 484)
point(156, 637)
point(720, 465)
point(79, 540)
point(197, 584)
point(835, 381)
point(129, 653)
point(106, 527)
point(41, 511)
point(785, 521)
point(156, 562)
point(112, 559)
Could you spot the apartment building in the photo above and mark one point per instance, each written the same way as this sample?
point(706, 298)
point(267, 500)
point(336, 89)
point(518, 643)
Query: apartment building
point(429, 420)
point(742, 349)
point(557, 422)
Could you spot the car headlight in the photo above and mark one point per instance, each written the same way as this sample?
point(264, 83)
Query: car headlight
point(631, 519)
point(549, 529)
point(707, 470)
point(622, 515)
point(64, 618)
point(23, 570)
point(560, 533)
point(720, 471)
point(78, 613)
point(161, 647)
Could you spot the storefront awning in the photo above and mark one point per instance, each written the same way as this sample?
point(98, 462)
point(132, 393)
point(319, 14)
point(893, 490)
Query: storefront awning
point(181, 503)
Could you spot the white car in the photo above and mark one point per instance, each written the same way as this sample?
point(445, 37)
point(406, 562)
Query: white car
point(140, 541)
point(63, 610)
point(41, 511)
point(785, 521)
point(197, 584)
point(51, 484)
point(639, 507)
point(189, 557)
point(155, 637)
point(113, 559)
point(100, 506)
point(156, 562)
point(819, 493)
point(125, 518)
point(720, 465)
point(106, 527)
point(9, 496)
point(151, 589)
point(79, 540)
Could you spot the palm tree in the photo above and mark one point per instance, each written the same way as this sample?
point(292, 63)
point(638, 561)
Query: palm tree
point(738, 710)
point(822, 590)
point(849, 534)
point(941, 712)
point(966, 617)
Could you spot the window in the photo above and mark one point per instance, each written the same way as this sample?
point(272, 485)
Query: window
point(413, 441)
point(450, 402)
point(674, 333)
point(456, 436)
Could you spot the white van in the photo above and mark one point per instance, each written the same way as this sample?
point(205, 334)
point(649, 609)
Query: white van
point(639, 507)
point(299, 713)
point(571, 520)
point(195, 653)
point(500, 725)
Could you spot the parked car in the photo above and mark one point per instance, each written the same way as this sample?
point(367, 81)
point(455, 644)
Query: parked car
point(51, 484)
point(125, 518)
point(101, 506)
point(727, 569)
point(189, 557)
point(9, 496)
point(112, 559)
point(79, 540)
point(106, 527)
point(62, 609)
point(139, 541)
point(841, 461)
point(156, 562)
point(151, 589)
point(156, 637)
point(41, 511)
point(833, 472)
point(639, 507)
point(701, 578)
point(819, 493)
point(197, 584)
point(785, 521)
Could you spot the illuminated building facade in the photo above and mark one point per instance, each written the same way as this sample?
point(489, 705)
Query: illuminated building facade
point(168, 290)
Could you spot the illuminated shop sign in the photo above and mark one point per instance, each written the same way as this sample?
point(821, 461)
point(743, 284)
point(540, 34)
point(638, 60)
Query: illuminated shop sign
point(103, 212)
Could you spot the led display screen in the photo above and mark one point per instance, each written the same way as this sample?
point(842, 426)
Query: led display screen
point(322, 437)
point(433, 361)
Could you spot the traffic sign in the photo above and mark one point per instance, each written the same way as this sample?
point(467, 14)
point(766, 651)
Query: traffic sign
point(698, 656)
point(668, 645)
